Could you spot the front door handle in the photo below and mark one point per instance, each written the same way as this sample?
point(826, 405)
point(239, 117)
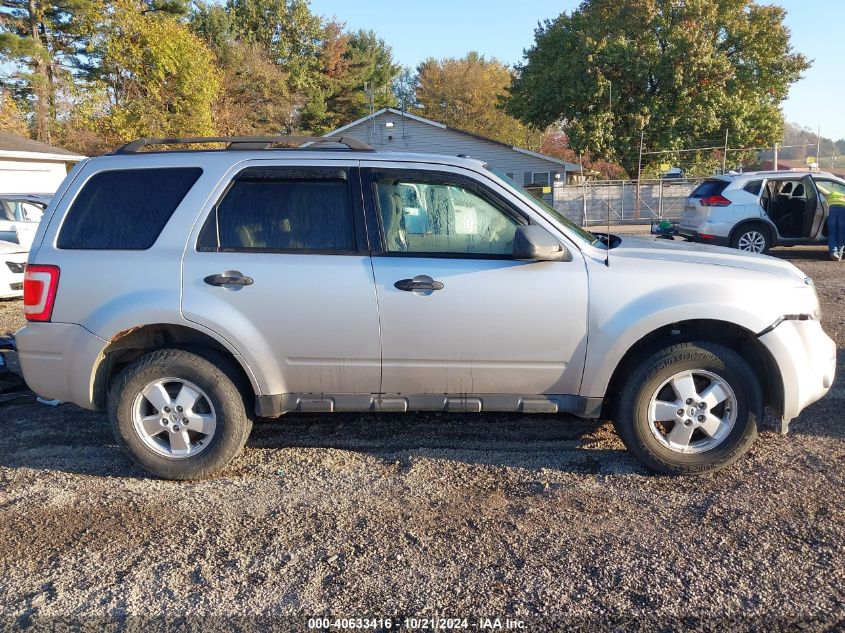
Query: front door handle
point(228, 278)
point(422, 284)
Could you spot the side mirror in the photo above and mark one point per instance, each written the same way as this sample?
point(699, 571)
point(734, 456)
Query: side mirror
point(534, 243)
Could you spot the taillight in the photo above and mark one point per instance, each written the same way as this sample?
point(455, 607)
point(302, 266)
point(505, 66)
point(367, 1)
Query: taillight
point(715, 201)
point(40, 283)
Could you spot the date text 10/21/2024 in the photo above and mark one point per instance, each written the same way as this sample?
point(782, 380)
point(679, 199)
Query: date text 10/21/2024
point(412, 623)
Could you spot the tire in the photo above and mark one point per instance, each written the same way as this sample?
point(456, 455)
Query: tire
point(660, 381)
point(752, 238)
point(213, 431)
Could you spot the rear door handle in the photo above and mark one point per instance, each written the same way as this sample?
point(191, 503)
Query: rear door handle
point(228, 278)
point(421, 283)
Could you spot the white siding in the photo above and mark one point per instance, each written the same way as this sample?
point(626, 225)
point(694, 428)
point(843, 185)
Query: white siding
point(408, 135)
point(31, 176)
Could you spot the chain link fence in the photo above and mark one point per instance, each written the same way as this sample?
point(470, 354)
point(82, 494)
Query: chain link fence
point(623, 201)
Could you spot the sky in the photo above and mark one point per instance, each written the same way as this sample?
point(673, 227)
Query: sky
point(495, 28)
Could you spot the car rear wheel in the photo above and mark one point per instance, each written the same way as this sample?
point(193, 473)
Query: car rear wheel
point(689, 408)
point(752, 238)
point(178, 415)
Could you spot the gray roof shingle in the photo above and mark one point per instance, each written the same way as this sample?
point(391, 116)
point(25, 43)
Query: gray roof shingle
point(13, 143)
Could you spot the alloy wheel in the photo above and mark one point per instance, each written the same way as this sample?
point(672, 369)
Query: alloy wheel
point(174, 417)
point(692, 412)
point(752, 242)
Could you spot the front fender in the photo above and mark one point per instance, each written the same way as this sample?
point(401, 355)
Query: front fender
point(621, 314)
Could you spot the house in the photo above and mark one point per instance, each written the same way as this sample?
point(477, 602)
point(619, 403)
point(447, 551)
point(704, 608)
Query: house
point(393, 130)
point(28, 166)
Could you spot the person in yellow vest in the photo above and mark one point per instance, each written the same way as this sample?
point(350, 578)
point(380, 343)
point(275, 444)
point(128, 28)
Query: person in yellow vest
point(834, 194)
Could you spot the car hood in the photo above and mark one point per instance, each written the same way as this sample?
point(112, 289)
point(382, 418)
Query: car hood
point(634, 247)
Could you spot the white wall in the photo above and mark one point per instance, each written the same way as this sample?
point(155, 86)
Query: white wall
point(30, 176)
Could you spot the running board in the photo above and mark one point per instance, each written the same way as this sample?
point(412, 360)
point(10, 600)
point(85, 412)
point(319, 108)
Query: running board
point(276, 405)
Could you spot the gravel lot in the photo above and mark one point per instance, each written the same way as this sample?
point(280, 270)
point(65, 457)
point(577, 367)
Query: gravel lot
point(542, 519)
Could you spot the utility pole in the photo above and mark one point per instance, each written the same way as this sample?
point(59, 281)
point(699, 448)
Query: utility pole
point(818, 146)
point(775, 159)
point(725, 155)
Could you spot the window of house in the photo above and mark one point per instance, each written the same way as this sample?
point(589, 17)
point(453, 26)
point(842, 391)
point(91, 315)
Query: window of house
point(538, 178)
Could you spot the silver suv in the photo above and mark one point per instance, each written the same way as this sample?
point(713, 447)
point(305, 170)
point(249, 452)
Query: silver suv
point(188, 292)
point(757, 210)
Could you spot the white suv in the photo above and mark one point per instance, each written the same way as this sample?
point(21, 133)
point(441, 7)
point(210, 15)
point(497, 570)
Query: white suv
point(187, 292)
point(757, 210)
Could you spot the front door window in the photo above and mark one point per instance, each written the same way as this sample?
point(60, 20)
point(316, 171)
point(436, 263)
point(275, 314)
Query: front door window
point(423, 216)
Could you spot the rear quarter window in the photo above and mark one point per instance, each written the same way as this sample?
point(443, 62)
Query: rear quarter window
point(753, 187)
point(125, 209)
point(709, 188)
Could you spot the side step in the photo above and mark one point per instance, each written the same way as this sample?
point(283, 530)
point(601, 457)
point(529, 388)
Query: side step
point(276, 405)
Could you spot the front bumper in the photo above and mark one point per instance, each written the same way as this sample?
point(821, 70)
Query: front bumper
point(806, 358)
point(59, 361)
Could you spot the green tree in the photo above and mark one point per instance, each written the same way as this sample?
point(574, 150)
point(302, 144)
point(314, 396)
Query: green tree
point(39, 44)
point(356, 67)
point(11, 118)
point(685, 72)
point(286, 30)
point(156, 77)
point(255, 98)
point(212, 24)
point(465, 93)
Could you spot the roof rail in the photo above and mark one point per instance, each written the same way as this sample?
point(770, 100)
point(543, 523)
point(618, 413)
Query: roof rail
point(244, 142)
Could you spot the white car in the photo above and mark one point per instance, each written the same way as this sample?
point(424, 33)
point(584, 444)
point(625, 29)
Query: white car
point(757, 210)
point(12, 264)
point(20, 215)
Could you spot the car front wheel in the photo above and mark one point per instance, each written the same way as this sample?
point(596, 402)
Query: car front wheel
point(689, 408)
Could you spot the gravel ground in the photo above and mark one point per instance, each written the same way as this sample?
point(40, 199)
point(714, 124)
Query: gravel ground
point(542, 519)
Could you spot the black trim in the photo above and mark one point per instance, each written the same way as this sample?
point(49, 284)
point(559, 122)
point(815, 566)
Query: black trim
point(246, 142)
point(285, 174)
point(785, 317)
point(370, 176)
point(694, 236)
point(273, 406)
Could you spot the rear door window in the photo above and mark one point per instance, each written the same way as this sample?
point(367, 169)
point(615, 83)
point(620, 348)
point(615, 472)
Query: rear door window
point(125, 209)
point(283, 210)
point(709, 188)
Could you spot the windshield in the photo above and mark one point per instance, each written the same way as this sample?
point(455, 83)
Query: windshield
point(556, 215)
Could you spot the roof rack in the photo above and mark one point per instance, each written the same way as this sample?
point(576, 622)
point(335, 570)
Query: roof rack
point(245, 142)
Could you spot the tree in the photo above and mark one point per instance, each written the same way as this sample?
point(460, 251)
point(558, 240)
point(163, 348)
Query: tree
point(286, 30)
point(684, 72)
point(556, 143)
point(11, 118)
point(404, 89)
point(465, 93)
point(356, 67)
point(39, 42)
point(155, 76)
point(255, 98)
